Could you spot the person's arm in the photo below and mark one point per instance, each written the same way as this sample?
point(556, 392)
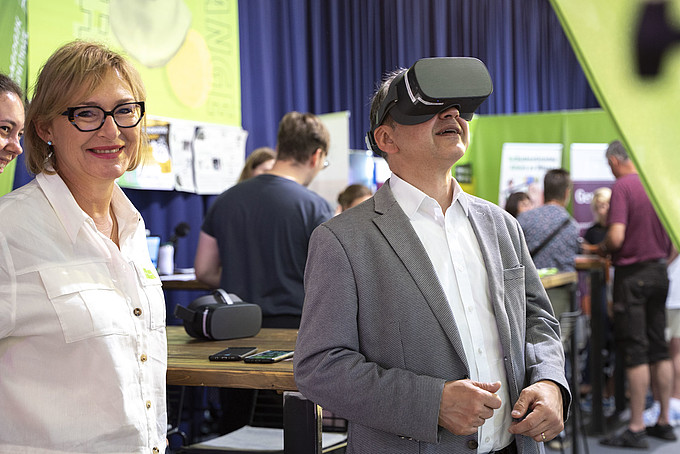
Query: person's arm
point(614, 239)
point(207, 263)
point(543, 405)
point(333, 371)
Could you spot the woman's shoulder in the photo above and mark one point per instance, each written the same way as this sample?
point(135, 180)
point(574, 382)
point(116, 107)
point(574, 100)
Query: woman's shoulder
point(21, 199)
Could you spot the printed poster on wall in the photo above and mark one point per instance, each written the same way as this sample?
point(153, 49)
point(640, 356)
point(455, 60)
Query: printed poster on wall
point(182, 154)
point(190, 157)
point(155, 172)
point(219, 156)
point(523, 166)
point(589, 171)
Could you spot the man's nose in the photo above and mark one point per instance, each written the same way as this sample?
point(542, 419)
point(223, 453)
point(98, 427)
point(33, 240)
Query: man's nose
point(450, 112)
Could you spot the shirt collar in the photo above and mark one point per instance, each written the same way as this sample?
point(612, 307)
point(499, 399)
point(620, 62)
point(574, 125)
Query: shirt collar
point(73, 217)
point(411, 198)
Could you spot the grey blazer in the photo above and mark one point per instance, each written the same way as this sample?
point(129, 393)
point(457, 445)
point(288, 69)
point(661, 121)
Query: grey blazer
point(378, 339)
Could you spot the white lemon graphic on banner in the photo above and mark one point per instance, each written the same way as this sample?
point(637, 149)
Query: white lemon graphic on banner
point(190, 72)
point(151, 31)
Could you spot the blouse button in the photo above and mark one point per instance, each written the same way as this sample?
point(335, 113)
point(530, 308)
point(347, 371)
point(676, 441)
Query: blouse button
point(143, 357)
point(148, 404)
point(137, 311)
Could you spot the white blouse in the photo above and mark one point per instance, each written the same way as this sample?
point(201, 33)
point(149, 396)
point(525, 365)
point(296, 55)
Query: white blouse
point(83, 351)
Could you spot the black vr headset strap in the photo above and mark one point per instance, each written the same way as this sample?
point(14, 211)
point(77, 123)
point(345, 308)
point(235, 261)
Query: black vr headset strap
point(189, 316)
point(184, 313)
point(371, 143)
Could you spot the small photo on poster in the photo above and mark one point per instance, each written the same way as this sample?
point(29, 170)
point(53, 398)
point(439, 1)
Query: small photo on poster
point(155, 172)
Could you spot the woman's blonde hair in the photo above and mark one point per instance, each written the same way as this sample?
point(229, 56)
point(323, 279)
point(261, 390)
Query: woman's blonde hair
point(602, 194)
point(74, 72)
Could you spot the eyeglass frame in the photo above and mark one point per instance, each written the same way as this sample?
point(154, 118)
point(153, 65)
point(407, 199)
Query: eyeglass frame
point(69, 112)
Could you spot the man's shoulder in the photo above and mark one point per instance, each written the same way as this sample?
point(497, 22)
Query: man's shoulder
point(627, 183)
point(478, 201)
point(354, 220)
point(543, 212)
point(265, 188)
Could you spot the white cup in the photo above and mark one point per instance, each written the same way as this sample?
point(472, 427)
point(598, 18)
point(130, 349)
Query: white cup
point(166, 259)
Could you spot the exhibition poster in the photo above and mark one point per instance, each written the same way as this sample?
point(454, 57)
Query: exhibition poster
point(523, 166)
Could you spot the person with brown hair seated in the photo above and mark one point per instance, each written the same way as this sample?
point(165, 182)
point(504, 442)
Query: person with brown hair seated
point(353, 195)
point(261, 160)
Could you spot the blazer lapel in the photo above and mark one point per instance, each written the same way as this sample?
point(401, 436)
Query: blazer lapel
point(397, 229)
point(487, 236)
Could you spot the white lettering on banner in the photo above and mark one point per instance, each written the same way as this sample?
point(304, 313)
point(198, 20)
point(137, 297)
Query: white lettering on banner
point(218, 37)
point(17, 59)
point(581, 196)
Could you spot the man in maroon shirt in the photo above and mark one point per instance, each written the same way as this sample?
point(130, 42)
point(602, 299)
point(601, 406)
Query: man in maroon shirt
point(639, 247)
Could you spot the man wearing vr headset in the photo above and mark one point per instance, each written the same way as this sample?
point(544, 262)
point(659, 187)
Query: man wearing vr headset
point(425, 323)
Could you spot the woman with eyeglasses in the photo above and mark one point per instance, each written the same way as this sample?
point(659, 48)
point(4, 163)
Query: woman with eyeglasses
point(82, 313)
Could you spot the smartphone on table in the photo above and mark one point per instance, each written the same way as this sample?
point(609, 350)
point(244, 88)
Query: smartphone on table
point(269, 356)
point(232, 354)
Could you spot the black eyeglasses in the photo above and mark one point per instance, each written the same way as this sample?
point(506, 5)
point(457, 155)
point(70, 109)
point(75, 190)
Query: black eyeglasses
point(91, 118)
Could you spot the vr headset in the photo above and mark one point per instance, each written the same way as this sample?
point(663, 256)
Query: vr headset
point(220, 316)
point(430, 86)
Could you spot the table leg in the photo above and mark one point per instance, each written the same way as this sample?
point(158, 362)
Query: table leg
point(302, 425)
point(597, 324)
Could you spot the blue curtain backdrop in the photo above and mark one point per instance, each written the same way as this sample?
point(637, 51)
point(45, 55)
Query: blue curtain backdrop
point(326, 56)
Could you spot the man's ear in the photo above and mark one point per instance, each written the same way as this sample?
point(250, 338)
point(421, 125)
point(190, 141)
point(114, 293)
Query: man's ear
point(316, 156)
point(383, 135)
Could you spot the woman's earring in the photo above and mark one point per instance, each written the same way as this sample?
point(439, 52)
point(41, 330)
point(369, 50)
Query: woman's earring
point(49, 142)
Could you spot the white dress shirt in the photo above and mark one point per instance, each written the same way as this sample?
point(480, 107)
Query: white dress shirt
point(452, 246)
point(83, 351)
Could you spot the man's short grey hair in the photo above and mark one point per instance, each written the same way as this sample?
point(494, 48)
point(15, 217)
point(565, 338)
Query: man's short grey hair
point(378, 97)
point(617, 150)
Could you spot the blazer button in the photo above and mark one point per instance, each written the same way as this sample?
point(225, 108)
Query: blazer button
point(472, 444)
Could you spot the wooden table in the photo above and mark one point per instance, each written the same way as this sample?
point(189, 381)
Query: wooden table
point(188, 365)
point(171, 283)
point(188, 362)
point(559, 279)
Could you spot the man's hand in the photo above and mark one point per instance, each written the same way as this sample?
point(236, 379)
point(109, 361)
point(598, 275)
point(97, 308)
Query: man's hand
point(466, 404)
point(542, 405)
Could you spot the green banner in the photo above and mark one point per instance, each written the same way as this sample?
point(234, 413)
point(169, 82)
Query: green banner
point(13, 47)
point(489, 133)
point(629, 51)
point(187, 51)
